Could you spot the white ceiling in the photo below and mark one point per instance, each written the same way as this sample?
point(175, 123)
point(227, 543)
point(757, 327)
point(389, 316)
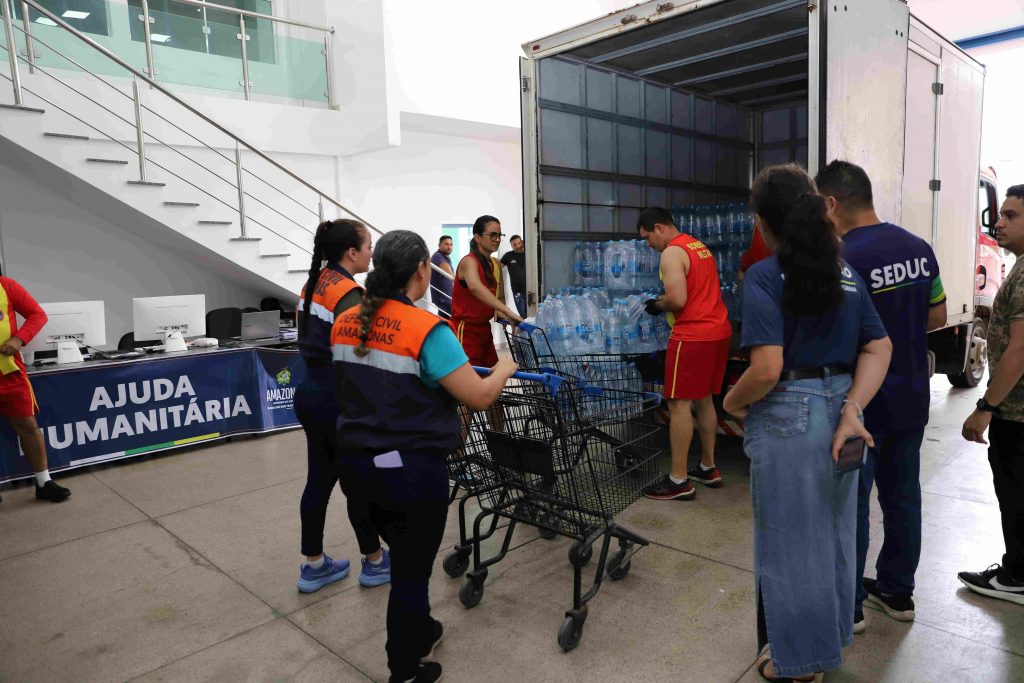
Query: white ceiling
point(958, 19)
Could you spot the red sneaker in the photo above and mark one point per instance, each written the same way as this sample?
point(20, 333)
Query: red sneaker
point(711, 478)
point(666, 489)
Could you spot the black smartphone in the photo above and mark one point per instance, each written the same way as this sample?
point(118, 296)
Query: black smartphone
point(852, 455)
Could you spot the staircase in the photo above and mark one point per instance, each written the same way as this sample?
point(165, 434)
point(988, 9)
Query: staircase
point(160, 160)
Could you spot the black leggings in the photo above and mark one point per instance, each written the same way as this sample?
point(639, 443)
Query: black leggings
point(317, 411)
point(409, 504)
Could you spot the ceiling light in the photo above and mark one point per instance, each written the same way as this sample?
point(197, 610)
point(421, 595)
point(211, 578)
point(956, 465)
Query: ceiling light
point(75, 14)
point(159, 38)
point(45, 21)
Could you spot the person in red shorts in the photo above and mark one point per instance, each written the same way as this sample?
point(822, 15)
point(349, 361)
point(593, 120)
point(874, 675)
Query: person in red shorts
point(477, 294)
point(17, 402)
point(697, 349)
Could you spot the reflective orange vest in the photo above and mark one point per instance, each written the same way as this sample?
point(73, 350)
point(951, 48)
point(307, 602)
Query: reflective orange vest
point(383, 401)
point(315, 334)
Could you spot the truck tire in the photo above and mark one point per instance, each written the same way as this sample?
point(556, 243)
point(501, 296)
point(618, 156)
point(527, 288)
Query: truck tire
point(977, 357)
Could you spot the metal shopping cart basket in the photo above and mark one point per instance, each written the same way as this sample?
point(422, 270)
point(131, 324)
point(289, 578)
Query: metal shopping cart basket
point(566, 457)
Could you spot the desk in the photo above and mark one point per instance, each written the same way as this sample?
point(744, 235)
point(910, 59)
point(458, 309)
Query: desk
point(99, 411)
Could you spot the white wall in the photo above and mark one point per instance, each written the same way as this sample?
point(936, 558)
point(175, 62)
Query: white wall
point(437, 177)
point(460, 58)
point(1003, 138)
point(61, 251)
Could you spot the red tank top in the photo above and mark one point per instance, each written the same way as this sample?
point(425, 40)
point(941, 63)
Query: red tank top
point(467, 307)
point(704, 317)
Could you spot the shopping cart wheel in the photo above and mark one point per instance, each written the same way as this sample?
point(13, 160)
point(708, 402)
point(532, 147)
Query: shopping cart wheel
point(546, 532)
point(580, 554)
point(456, 563)
point(473, 590)
point(571, 630)
point(616, 569)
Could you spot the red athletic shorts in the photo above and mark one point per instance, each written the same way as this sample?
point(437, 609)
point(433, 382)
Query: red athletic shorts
point(695, 369)
point(477, 342)
point(16, 397)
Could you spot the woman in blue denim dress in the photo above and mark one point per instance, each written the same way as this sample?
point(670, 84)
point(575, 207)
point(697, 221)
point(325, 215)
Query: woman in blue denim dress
point(818, 354)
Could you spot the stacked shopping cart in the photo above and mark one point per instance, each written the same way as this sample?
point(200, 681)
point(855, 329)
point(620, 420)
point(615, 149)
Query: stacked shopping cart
point(565, 456)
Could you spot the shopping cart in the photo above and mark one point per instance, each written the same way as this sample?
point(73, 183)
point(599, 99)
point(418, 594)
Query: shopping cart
point(566, 457)
point(470, 474)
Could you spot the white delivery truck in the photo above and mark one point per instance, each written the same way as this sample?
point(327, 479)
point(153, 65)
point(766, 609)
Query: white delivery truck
point(680, 104)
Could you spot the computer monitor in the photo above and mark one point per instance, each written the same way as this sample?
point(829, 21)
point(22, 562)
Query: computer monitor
point(262, 325)
point(171, 318)
point(69, 325)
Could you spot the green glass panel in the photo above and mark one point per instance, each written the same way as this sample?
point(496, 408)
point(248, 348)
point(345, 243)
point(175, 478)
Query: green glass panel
point(56, 48)
point(191, 47)
point(181, 57)
point(299, 70)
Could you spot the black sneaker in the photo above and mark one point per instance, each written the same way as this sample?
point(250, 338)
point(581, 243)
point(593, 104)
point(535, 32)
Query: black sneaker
point(666, 489)
point(711, 478)
point(858, 620)
point(52, 491)
point(429, 672)
point(899, 607)
point(995, 583)
point(436, 636)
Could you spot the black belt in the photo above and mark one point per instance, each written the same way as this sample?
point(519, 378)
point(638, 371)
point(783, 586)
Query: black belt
point(814, 373)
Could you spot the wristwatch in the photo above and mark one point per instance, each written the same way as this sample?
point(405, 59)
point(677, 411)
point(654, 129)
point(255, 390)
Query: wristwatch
point(987, 407)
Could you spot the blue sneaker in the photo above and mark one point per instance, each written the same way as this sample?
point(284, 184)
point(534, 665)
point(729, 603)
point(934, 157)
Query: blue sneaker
point(376, 574)
point(311, 580)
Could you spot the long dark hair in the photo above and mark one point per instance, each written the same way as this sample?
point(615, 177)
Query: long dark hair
point(396, 257)
point(478, 229)
point(806, 243)
point(333, 239)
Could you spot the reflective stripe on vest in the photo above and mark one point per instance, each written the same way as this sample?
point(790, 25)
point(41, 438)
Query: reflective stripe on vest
point(383, 400)
point(396, 337)
point(330, 289)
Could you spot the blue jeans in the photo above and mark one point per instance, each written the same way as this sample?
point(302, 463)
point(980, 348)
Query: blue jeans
point(805, 525)
point(894, 464)
point(520, 299)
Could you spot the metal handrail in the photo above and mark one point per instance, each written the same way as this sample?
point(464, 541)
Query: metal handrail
point(141, 138)
point(188, 107)
point(118, 142)
point(255, 15)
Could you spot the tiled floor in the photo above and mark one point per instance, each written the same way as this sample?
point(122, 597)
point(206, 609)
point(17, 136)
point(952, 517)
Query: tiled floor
point(182, 567)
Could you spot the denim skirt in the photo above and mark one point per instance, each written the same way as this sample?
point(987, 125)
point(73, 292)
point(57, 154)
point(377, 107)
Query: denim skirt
point(805, 525)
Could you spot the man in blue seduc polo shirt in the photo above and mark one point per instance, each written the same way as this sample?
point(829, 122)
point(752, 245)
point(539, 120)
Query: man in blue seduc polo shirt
point(902, 275)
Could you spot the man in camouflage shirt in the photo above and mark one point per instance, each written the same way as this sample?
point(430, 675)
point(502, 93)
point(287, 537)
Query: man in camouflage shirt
point(1001, 411)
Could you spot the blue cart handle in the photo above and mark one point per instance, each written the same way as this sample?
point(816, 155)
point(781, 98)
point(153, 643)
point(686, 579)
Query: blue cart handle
point(552, 382)
point(524, 326)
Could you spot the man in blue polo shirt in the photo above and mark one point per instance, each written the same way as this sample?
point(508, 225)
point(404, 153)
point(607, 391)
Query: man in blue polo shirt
point(902, 274)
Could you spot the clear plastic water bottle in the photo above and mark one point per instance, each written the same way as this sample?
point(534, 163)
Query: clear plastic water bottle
point(595, 326)
point(563, 338)
point(578, 342)
point(612, 332)
point(647, 341)
point(662, 331)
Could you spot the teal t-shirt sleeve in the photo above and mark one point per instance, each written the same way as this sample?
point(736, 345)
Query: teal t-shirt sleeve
point(441, 355)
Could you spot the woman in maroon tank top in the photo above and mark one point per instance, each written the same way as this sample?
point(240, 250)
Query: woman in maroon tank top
point(478, 294)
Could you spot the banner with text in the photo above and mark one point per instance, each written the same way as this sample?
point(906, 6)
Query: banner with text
point(89, 415)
